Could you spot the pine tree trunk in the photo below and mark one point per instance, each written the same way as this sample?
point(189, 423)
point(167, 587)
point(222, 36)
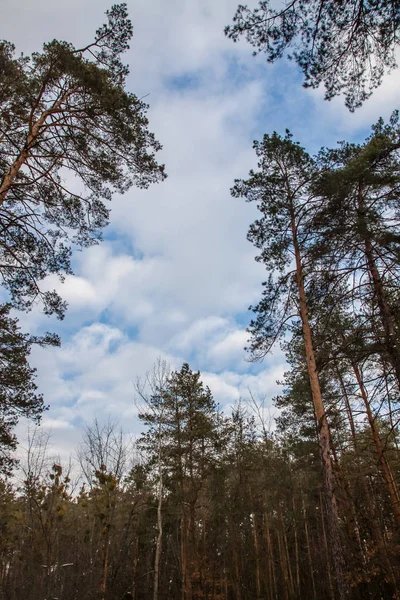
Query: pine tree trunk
point(160, 533)
point(283, 566)
point(336, 547)
point(184, 559)
point(287, 556)
point(351, 520)
point(256, 545)
point(257, 557)
point(203, 558)
point(378, 287)
point(104, 571)
point(271, 566)
point(383, 463)
point(236, 566)
point(134, 570)
point(348, 409)
point(389, 402)
point(309, 556)
point(330, 583)
point(296, 547)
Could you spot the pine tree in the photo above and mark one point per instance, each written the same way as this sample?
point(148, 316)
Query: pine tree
point(18, 391)
point(347, 46)
point(183, 416)
point(70, 136)
point(151, 393)
point(282, 188)
point(359, 235)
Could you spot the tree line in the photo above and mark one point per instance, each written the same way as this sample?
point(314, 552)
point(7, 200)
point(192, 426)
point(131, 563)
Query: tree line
point(213, 506)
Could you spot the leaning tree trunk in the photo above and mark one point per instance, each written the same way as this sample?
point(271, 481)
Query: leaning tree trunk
point(336, 547)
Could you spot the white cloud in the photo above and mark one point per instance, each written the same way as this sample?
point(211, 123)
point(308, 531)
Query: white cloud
point(93, 375)
point(55, 424)
point(230, 349)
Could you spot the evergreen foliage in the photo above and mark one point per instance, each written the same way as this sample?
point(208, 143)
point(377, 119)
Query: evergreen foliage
point(71, 135)
point(18, 392)
point(347, 45)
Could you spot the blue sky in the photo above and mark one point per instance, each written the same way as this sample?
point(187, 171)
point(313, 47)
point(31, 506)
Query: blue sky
point(175, 273)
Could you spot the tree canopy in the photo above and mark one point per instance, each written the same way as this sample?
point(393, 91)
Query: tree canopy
point(70, 136)
point(347, 46)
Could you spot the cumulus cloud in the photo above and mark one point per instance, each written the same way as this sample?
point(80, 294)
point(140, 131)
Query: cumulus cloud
point(93, 374)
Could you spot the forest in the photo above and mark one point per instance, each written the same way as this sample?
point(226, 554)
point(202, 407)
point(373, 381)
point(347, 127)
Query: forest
point(211, 502)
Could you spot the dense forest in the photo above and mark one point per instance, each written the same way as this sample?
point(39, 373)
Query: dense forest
point(209, 503)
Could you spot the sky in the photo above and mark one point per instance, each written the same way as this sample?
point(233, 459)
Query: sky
point(175, 275)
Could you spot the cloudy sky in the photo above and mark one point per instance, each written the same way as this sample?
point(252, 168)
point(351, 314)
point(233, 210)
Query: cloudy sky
point(175, 274)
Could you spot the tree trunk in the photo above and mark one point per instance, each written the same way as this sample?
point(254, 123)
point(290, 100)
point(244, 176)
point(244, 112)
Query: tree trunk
point(323, 429)
point(236, 566)
point(308, 542)
point(383, 463)
point(287, 556)
point(296, 547)
point(257, 557)
point(271, 566)
point(330, 583)
point(104, 571)
point(283, 564)
point(135, 564)
point(160, 534)
point(183, 557)
point(31, 139)
point(348, 408)
point(378, 287)
point(256, 544)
